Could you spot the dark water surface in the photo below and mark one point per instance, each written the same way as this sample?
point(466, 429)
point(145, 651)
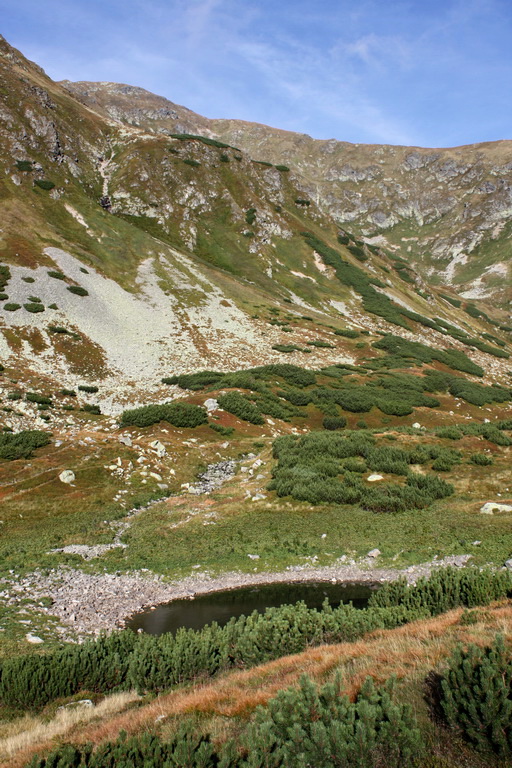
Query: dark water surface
point(221, 606)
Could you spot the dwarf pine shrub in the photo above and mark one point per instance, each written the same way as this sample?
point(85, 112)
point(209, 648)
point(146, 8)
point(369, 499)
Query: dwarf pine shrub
point(77, 290)
point(45, 184)
point(476, 696)
point(33, 307)
point(21, 445)
point(35, 397)
point(177, 414)
point(347, 333)
point(241, 406)
point(312, 726)
point(481, 459)
point(334, 422)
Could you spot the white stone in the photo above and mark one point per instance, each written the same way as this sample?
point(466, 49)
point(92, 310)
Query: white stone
point(373, 553)
point(416, 425)
point(508, 564)
point(159, 448)
point(126, 440)
point(156, 476)
point(491, 507)
point(374, 478)
point(211, 404)
point(33, 638)
point(253, 557)
point(67, 476)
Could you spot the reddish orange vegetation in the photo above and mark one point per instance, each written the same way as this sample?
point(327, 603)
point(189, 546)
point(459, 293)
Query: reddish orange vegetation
point(408, 652)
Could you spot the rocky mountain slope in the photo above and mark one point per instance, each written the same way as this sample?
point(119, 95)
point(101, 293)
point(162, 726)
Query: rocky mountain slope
point(447, 210)
point(157, 250)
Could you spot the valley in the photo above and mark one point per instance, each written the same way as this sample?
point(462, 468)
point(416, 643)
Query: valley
point(231, 356)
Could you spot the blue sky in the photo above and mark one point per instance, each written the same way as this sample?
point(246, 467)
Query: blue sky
point(430, 73)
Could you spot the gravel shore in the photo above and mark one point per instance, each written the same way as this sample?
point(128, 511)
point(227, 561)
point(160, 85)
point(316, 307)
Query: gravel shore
point(87, 604)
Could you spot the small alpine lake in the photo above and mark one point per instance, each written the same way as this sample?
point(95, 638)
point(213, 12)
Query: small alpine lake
point(197, 611)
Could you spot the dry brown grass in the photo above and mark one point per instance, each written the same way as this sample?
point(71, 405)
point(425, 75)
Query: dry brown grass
point(408, 652)
point(26, 734)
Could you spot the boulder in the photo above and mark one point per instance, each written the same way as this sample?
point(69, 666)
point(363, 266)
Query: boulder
point(492, 506)
point(67, 476)
point(211, 405)
point(33, 639)
point(158, 448)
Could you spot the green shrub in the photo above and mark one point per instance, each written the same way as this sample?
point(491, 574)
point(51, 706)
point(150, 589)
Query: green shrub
point(21, 445)
point(12, 307)
point(320, 344)
point(203, 139)
point(3, 296)
point(481, 459)
point(177, 414)
point(35, 397)
point(28, 279)
point(334, 422)
point(44, 184)
point(347, 332)
point(354, 464)
point(224, 158)
point(312, 726)
point(89, 408)
point(282, 168)
point(226, 431)
point(5, 275)
point(195, 381)
point(24, 165)
point(358, 252)
point(250, 216)
point(14, 396)
point(286, 348)
point(240, 406)
point(476, 696)
point(32, 307)
point(56, 275)
point(60, 329)
point(90, 388)
point(451, 300)
point(68, 392)
point(450, 433)
point(302, 201)
point(77, 290)
point(445, 589)
point(308, 469)
point(52, 306)
point(452, 358)
point(263, 162)
point(191, 162)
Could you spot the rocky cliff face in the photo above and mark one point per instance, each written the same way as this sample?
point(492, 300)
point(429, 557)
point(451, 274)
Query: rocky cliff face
point(448, 209)
point(136, 243)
